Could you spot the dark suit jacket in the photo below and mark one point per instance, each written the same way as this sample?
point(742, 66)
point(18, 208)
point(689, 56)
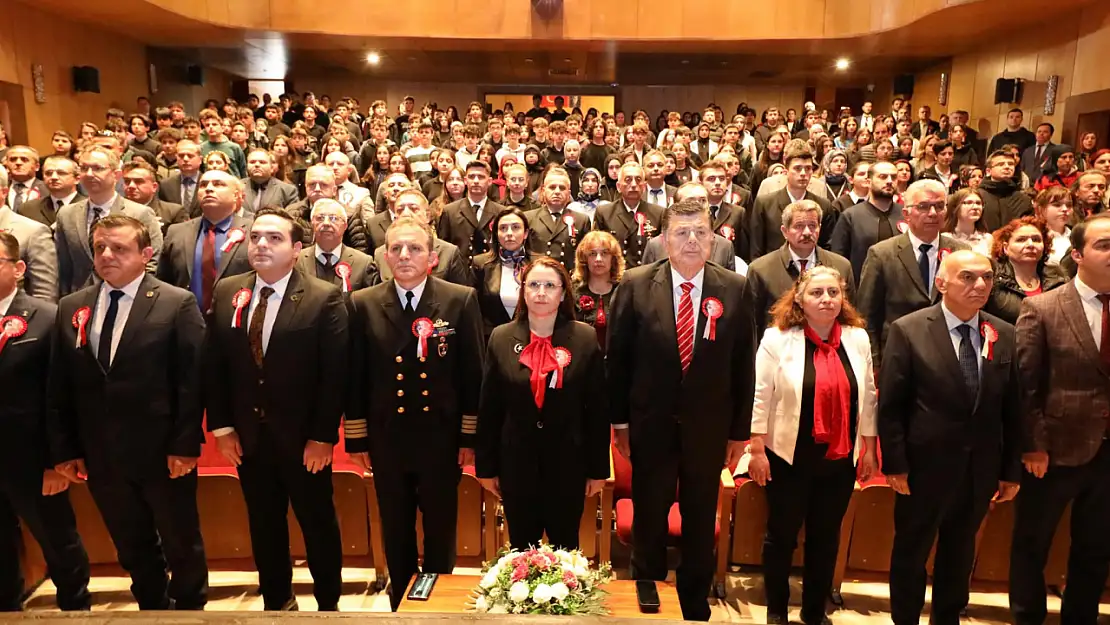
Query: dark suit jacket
point(647, 389)
point(364, 272)
point(773, 274)
point(38, 187)
point(276, 193)
point(1065, 387)
point(24, 370)
point(377, 227)
point(575, 417)
point(614, 218)
point(766, 219)
point(1033, 167)
point(458, 223)
point(168, 214)
point(170, 191)
point(929, 422)
point(721, 252)
point(42, 210)
point(933, 128)
point(301, 385)
point(125, 421)
point(487, 283)
point(550, 238)
point(732, 224)
point(891, 287)
point(176, 264)
point(450, 265)
point(383, 345)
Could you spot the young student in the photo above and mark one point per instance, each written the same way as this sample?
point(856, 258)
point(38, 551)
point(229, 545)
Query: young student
point(218, 141)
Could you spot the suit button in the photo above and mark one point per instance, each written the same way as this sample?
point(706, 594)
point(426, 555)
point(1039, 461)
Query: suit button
point(256, 411)
point(261, 382)
point(399, 359)
point(425, 409)
point(422, 359)
point(423, 376)
point(424, 393)
point(539, 424)
point(400, 377)
point(401, 410)
point(400, 393)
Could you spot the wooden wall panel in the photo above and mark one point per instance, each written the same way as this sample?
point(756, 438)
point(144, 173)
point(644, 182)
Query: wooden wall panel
point(1092, 49)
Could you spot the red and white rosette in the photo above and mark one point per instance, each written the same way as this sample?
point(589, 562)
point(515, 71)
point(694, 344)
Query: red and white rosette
point(562, 359)
point(903, 227)
point(942, 252)
point(990, 337)
point(641, 221)
point(728, 233)
point(343, 270)
point(240, 301)
point(713, 310)
point(11, 327)
point(81, 322)
point(234, 236)
point(568, 219)
point(432, 265)
point(586, 302)
point(422, 328)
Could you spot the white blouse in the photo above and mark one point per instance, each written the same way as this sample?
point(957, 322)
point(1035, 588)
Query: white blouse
point(510, 289)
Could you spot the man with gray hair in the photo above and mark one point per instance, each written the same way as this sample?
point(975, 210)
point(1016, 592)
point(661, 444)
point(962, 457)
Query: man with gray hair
point(320, 183)
point(36, 248)
point(898, 274)
point(328, 259)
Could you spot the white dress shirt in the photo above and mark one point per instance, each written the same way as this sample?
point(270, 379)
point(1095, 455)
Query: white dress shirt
point(103, 210)
point(933, 251)
point(510, 289)
point(274, 303)
point(657, 196)
point(811, 260)
point(481, 206)
point(793, 199)
point(65, 200)
point(122, 312)
point(6, 303)
point(417, 293)
point(695, 293)
point(1061, 243)
point(337, 253)
point(1092, 309)
point(954, 323)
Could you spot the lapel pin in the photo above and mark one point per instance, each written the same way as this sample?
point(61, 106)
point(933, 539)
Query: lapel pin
point(150, 293)
point(518, 348)
point(296, 298)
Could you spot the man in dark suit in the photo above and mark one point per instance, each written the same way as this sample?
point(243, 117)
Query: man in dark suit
point(466, 223)
point(766, 218)
point(925, 125)
point(125, 410)
point(729, 220)
point(140, 186)
point(949, 428)
point(22, 163)
point(260, 188)
point(1039, 156)
point(631, 221)
point(681, 354)
point(376, 227)
point(553, 229)
point(899, 273)
point(866, 223)
point(183, 187)
point(416, 370)
point(448, 263)
point(331, 261)
point(656, 191)
point(271, 331)
point(1063, 356)
point(773, 274)
point(30, 493)
point(211, 246)
point(60, 175)
point(721, 250)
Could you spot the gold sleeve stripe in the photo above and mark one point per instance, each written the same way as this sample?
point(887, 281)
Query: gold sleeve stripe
point(470, 424)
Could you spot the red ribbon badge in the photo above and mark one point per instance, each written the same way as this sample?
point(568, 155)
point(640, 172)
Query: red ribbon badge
point(11, 327)
point(562, 359)
point(713, 310)
point(728, 233)
point(641, 219)
point(942, 252)
point(81, 322)
point(586, 302)
point(990, 337)
point(422, 329)
point(903, 227)
point(343, 270)
point(240, 300)
point(569, 221)
point(233, 237)
point(432, 266)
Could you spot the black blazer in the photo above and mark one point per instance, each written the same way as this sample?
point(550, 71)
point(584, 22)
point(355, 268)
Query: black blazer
point(614, 218)
point(126, 420)
point(459, 222)
point(574, 419)
point(450, 264)
point(927, 419)
point(168, 213)
point(546, 237)
point(487, 283)
point(300, 387)
point(175, 266)
point(24, 369)
point(713, 401)
point(773, 274)
point(42, 210)
point(377, 227)
point(933, 128)
point(170, 191)
point(766, 219)
point(732, 224)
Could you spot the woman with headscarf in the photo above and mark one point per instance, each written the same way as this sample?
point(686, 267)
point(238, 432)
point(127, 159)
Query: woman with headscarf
point(835, 167)
point(589, 197)
point(608, 191)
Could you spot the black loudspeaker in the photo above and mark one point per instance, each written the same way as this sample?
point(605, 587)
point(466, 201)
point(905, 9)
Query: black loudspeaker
point(194, 75)
point(903, 85)
point(1006, 90)
point(86, 78)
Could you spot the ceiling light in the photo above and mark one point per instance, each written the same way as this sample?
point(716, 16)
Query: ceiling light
point(373, 58)
point(842, 64)
point(527, 60)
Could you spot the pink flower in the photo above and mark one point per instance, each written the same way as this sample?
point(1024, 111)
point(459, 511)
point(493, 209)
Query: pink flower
point(551, 559)
point(520, 560)
point(519, 573)
point(570, 580)
point(539, 561)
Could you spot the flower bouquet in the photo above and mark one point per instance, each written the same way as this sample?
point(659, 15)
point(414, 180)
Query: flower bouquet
point(542, 581)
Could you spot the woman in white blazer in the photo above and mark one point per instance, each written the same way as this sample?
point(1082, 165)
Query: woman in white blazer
point(813, 424)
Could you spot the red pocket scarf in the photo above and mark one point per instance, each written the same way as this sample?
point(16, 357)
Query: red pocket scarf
point(539, 356)
point(832, 396)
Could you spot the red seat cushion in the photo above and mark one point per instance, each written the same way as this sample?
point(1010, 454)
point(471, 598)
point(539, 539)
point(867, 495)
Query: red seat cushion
point(624, 514)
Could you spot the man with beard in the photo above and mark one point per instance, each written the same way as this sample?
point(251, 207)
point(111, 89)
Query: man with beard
point(261, 189)
point(1003, 199)
point(867, 223)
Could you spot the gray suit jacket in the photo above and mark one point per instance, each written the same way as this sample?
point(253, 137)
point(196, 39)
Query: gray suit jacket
point(452, 266)
point(773, 274)
point(37, 250)
point(376, 228)
point(71, 239)
point(721, 253)
point(276, 193)
point(167, 213)
point(170, 191)
point(364, 272)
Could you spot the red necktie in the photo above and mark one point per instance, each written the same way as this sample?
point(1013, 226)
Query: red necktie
point(1104, 344)
point(802, 262)
point(208, 267)
point(686, 326)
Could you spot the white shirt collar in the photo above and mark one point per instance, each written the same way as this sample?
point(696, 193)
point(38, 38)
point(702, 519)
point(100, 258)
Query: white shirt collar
point(417, 292)
point(952, 321)
point(1086, 292)
point(66, 199)
point(107, 205)
point(697, 280)
point(856, 198)
point(791, 195)
point(811, 260)
point(481, 203)
point(631, 209)
point(278, 287)
point(6, 303)
point(661, 188)
point(129, 289)
point(916, 242)
point(337, 253)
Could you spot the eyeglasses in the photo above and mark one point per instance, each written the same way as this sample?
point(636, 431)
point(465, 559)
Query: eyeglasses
point(331, 219)
point(536, 286)
point(9, 260)
point(926, 207)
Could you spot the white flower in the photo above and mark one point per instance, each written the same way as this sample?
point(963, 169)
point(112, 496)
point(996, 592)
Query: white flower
point(494, 592)
point(480, 604)
point(497, 608)
point(542, 594)
point(518, 593)
point(489, 580)
point(559, 591)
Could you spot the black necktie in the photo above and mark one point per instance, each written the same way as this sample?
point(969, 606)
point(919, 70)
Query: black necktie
point(923, 264)
point(713, 210)
point(969, 360)
point(409, 307)
point(329, 258)
point(107, 329)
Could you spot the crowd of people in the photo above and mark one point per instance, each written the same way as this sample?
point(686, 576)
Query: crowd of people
point(785, 297)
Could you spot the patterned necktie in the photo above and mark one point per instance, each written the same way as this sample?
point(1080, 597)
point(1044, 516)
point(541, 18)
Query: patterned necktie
point(97, 214)
point(923, 264)
point(18, 187)
point(685, 326)
point(208, 267)
point(969, 361)
point(656, 197)
point(258, 320)
point(186, 191)
point(107, 329)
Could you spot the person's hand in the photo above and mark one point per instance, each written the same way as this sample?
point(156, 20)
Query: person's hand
point(1036, 462)
point(229, 447)
point(466, 457)
point(594, 487)
point(361, 460)
point(759, 468)
point(734, 452)
point(900, 483)
point(867, 466)
point(620, 437)
point(492, 484)
point(53, 483)
point(317, 456)
point(179, 466)
point(1006, 491)
point(73, 470)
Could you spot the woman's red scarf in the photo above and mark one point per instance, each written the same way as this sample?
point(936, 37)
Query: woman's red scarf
point(539, 356)
point(832, 396)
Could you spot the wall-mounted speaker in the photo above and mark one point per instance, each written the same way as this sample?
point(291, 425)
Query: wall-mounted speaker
point(1007, 90)
point(86, 79)
point(903, 85)
point(194, 75)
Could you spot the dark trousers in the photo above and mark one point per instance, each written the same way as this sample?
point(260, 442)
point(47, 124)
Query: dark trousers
point(1040, 505)
point(555, 509)
point(816, 492)
point(153, 522)
point(50, 520)
point(657, 470)
point(272, 482)
point(433, 489)
point(947, 506)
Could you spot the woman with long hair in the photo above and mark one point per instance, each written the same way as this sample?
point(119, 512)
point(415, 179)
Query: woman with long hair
point(454, 188)
point(497, 272)
point(964, 220)
point(281, 148)
point(1054, 206)
point(970, 176)
point(1020, 253)
point(772, 153)
point(1088, 143)
point(925, 156)
point(378, 169)
point(847, 135)
point(598, 268)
